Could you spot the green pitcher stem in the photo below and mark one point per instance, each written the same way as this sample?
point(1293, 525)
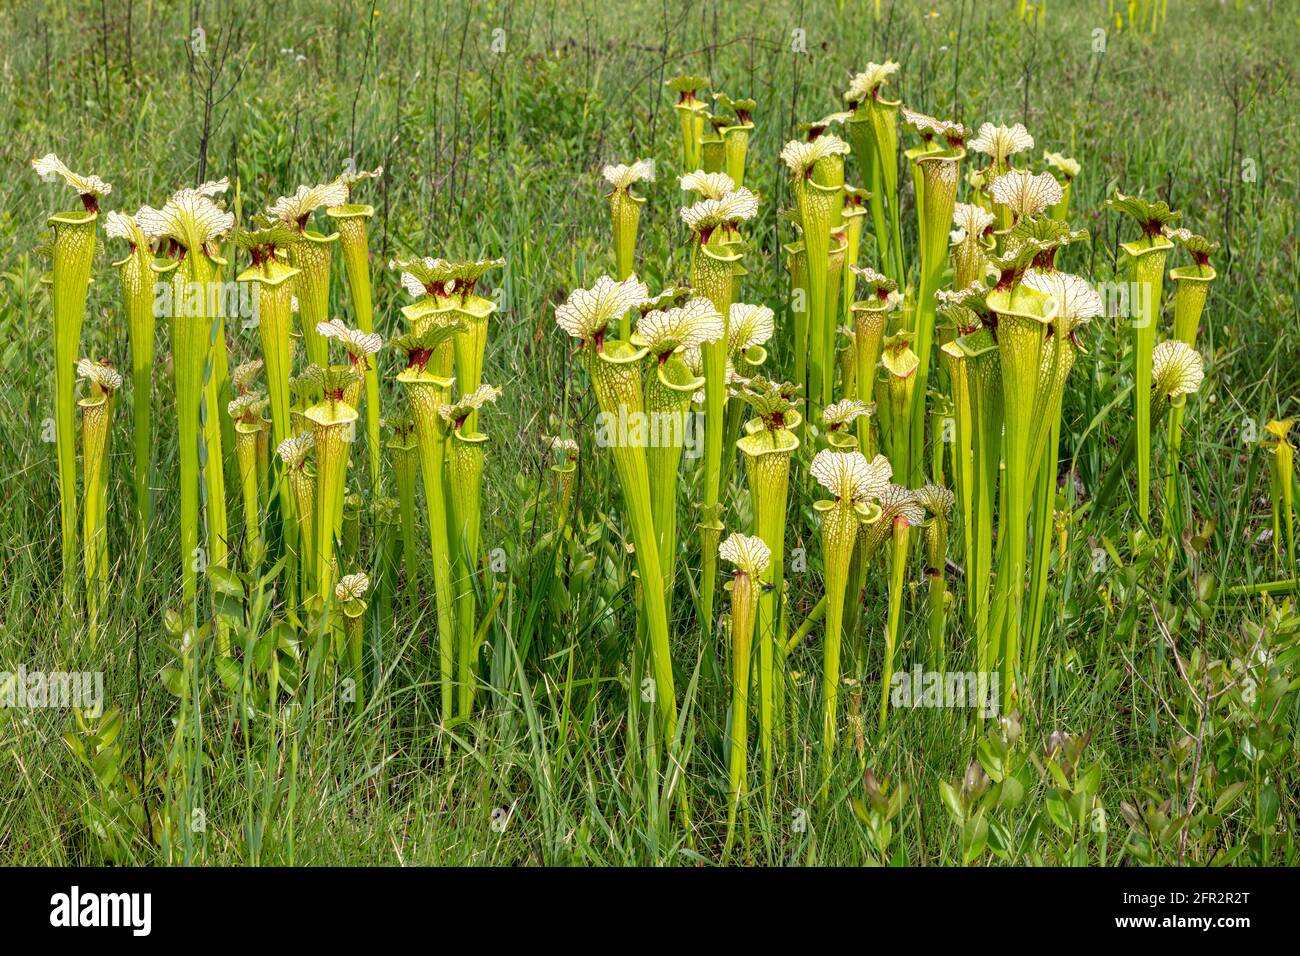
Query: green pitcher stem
point(963, 477)
point(691, 119)
point(736, 147)
point(616, 379)
point(192, 346)
point(213, 465)
point(625, 215)
point(862, 139)
point(939, 172)
point(137, 302)
point(868, 335)
point(1146, 275)
point(711, 276)
point(355, 246)
point(1022, 327)
point(331, 421)
point(405, 467)
point(986, 456)
point(300, 486)
point(839, 533)
point(73, 253)
point(354, 632)
point(246, 437)
point(767, 470)
point(1044, 514)
point(1191, 287)
point(426, 393)
point(311, 256)
point(743, 603)
point(814, 204)
point(668, 393)
point(465, 453)
point(470, 347)
point(897, 576)
point(273, 288)
point(797, 264)
point(853, 221)
point(831, 310)
point(883, 115)
point(96, 418)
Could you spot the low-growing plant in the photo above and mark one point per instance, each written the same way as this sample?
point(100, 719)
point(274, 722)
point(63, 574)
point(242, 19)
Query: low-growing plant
point(96, 437)
point(877, 810)
point(625, 213)
point(856, 486)
point(750, 558)
point(691, 112)
point(350, 593)
point(247, 410)
point(466, 448)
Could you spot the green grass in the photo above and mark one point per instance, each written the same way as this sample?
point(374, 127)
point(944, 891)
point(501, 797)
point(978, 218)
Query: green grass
point(499, 154)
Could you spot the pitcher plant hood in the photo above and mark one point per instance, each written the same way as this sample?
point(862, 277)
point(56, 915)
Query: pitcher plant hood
point(749, 325)
point(866, 85)
point(101, 376)
point(1153, 217)
point(708, 214)
point(1000, 143)
point(801, 156)
point(456, 412)
point(953, 133)
point(295, 211)
point(244, 374)
point(707, 185)
point(352, 177)
point(845, 412)
point(1062, 167)
point(685, 327)
point(294, 451)
point(623, 176)
point(850, 477)
point(1025, 194)
point(190, 219)
point(89, 188)
point(748, 553)
point(1177, 370)
point(429, 276)
point(360, 345)
point(587, 313)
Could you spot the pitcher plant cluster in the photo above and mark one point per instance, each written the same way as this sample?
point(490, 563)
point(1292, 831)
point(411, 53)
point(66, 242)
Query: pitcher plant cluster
point(903, 418)
point(930, 374)
point(283, 425)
